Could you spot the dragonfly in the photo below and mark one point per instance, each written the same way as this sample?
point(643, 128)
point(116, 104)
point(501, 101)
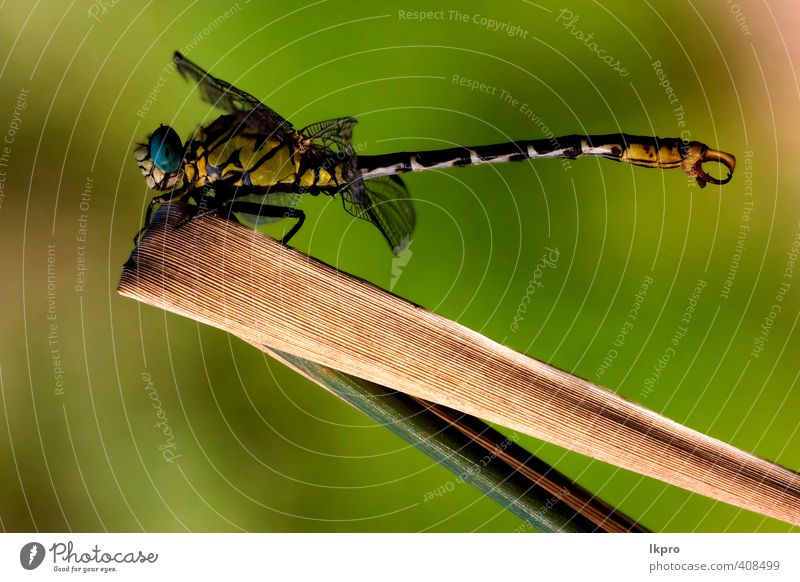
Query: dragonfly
point(250, 164)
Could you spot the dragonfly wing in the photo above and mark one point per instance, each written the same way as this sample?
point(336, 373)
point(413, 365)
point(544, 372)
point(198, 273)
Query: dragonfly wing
point(228, 98)
point(333, 135)
point(385, 203)
point(332, 141)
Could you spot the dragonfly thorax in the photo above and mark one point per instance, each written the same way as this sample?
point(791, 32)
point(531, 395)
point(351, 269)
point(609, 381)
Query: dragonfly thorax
point(226, 151)
point(231, 154)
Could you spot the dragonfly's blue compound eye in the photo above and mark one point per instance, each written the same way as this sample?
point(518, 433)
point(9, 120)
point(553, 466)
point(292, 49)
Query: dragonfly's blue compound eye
point(166, 149)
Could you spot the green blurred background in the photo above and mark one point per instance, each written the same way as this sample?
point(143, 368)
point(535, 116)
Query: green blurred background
point(261, 449)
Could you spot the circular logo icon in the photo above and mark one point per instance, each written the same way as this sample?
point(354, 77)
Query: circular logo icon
point(31, 555)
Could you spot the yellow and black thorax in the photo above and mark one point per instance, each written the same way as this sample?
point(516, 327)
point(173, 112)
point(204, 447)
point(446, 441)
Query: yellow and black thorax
point(231, 153)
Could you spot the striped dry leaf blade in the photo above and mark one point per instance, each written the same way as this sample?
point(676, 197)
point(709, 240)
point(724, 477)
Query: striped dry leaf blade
point(238, 280)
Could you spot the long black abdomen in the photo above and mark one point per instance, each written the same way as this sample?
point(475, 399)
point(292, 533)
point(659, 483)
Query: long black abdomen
point(639, 150)
point(399, 162)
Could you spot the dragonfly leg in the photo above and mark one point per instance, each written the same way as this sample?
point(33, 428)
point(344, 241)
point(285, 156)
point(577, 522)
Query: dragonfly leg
point(148, 217)
point(270, 211)
point(205, 204)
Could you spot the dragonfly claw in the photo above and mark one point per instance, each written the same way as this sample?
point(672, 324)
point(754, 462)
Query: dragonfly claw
point(696, 154)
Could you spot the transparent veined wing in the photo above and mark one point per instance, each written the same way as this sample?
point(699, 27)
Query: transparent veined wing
point(332, 145)
point(385, 203)
point(222, 94)
point(333, 135)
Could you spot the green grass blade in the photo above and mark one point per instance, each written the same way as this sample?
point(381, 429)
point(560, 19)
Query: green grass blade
point(492, 462)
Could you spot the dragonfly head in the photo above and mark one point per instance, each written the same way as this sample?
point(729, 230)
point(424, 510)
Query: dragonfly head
point(161, 159)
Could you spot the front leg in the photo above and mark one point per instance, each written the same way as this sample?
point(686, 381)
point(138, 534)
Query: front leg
point(148, 217)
